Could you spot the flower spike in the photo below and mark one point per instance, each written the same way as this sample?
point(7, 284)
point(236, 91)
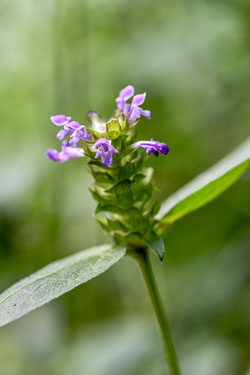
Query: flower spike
point(123, 184)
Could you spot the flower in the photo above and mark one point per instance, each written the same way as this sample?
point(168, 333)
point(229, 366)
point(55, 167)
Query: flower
point(76, 130)
point(60, 120)
point(105, 150)
point(133, 111)
point(152, 147)
point(66, 153)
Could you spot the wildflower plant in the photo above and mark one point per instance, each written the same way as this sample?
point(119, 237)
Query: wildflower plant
point(123, 185)
point(126, 207)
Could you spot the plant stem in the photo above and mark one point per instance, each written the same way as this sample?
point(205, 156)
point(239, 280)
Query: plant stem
point(146, 268)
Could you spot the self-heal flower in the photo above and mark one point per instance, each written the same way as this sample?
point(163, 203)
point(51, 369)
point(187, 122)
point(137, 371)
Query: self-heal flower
point(152, 147)
point(66, 153)
point(132, 111)
point(105, 150)
point(77, 132)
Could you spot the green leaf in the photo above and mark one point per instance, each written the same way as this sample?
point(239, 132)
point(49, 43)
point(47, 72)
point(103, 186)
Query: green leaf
point(56, 279)
point(205, 187)
point(156, 244)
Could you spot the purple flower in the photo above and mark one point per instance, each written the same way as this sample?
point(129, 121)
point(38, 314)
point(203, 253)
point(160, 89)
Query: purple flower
point(60, 120)
point(133, 111)
point(105, 150)
point(76, 130)
point(152, 147)
point(66, 153)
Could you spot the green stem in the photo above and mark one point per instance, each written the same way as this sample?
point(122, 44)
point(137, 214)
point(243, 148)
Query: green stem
point(145, 265)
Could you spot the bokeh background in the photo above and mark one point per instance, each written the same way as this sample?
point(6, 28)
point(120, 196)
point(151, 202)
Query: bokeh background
point(69, 56)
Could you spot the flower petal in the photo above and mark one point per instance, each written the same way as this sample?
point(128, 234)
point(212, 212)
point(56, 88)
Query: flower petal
point(56, 156)
point(66, 153)
point(146, 113)
point(60, 120)
point(73, 125)
point(138, 99)
point(126, 93)
point(75, 138)
point(135, 113)
point(63, 133)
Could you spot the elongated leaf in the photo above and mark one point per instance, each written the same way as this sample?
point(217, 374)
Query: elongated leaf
point(205, 187)
point(56, 279)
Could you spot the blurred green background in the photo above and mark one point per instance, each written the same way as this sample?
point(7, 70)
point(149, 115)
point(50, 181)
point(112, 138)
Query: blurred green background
point(69, 56)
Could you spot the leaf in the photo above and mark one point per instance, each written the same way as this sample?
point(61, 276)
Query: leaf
point(205, 187)
point(56, 279)
point(156, 244)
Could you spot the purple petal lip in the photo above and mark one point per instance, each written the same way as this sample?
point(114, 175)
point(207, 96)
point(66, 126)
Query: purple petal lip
point(66, 153)
point(62, 134)
point(105, 150)
point(126, 93)
point(138, 99)
point(152, 147)
point(146, 113)
point(72, 125)
point(60, 120)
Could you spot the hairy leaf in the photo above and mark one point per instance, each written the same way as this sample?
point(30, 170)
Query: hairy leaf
point(56, 279)
point(205, 187)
